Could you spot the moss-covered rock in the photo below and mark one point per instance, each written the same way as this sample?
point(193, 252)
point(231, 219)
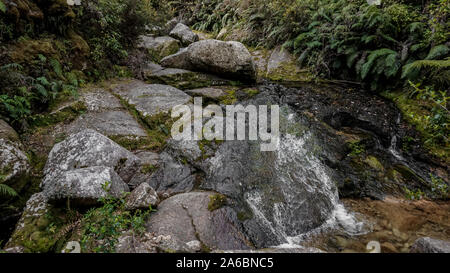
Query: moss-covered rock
point(216, 201)
point(417, 113)
point(182, 79)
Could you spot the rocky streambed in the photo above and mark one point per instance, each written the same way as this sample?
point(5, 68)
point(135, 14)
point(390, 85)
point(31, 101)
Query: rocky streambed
point(335, 182)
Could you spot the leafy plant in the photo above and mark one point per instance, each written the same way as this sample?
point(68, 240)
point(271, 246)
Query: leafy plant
point(439, 188)
point(6, 190)
point(102, 226)
point(413, 194)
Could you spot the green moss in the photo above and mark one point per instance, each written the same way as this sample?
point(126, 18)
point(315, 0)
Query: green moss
point(184, 80)
point(207, 148)
point(289, 72)
point(230, 97)
point(417, 113)
point(216, 201)
point(133, 143)
point(166, 49)
point(356, 148)
point(148, 168)
point(66, 114)
point(251, 91)
point(39, 233)
point(244, 215)
point(373, 162)
point(157, 128)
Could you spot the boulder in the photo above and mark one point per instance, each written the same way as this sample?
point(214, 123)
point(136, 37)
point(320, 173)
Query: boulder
point(226, 59)
point(28, 229)
point(184, 34)
point(85, 186)
point(430, 245)
point(89, 148)
point(172, 177)
point(7, 132)
point(14, 163)
point(190, 217)
point(181, 78)
point(151, 99)
point(142, 197)
point(149, 163)
point(159, 47)
point(178, 60)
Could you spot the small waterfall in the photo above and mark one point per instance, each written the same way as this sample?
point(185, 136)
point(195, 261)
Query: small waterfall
point(307, 190)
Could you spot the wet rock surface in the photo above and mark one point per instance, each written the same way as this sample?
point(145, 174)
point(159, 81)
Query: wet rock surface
point(186, 218)
point(430, 245)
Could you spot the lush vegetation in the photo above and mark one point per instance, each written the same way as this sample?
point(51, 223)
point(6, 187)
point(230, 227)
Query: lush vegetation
point(48, 49)
point(106, 224)
point(399, 48)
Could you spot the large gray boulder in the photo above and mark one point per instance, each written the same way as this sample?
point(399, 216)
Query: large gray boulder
point(191, 217)
point(226, 59)
point(151, 99)
point(159, 47)
point(430, 245)
point(89, 148)
point(184, 34)
point(13, 162)
point(85, 186)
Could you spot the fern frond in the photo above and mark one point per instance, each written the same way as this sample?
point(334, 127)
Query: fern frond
point(6, 190)
point(437, 52)
point(411, 69)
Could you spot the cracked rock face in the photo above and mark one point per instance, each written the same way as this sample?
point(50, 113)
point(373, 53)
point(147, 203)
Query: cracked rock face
point(151, 99)
point(186, 218)
point(172, 177)
point(85, 186)
point(106, 115)
point(87, 149)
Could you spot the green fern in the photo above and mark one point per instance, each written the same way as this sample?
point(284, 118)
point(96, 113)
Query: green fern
point(437, 52)
point(412, 69)
point(373, 56)
point(2, 6)
point(6, 190)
